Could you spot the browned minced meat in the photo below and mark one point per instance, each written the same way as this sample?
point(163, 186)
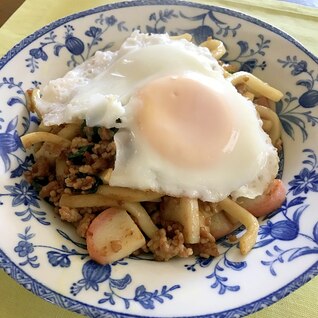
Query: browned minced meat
point(168, 242)
point(41, 168)
point(165, 248)
point(78, 142)
point(88, 169)
point(80, 183)
point(70, 214)
point(81, 176)
point(207, 246)
point(83, 224)
point(104, 133)
point(53, 190)
point(209, 207)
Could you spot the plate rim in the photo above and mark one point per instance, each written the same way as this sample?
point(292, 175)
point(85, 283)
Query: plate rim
point(68, 303)
point(124, 4)
point(33, 286)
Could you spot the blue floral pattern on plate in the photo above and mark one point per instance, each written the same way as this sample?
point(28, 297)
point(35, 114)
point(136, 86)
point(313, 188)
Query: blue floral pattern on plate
point(294, 113)
point(288, 238)
point(73, 44)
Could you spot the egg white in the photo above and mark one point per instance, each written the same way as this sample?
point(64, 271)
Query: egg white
point(105, 88)
point(140, 59)
point(246, 167)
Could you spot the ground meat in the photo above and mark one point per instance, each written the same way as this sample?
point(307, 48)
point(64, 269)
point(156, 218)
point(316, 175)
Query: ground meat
point(73, 170)
point(171, 227)
point(69, 214)
point(208, 207)
point(41, 168)
point(90, 154)
point(51, 186)
point(83, 224)
point(207, 246)
point(105, 134)
point(90, 158)
point(88, 132)
point(99, 149)
point(107, 151)
point(101, 132)
point(53, 191)
point(83, 184)
point(87, 169)
point(165, 248)
point(78, 142)
point(94, 160)
point(100, 164)
point(78, 177)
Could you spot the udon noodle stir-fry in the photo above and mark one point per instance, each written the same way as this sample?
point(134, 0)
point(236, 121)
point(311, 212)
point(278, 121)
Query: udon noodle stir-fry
point(159, 147)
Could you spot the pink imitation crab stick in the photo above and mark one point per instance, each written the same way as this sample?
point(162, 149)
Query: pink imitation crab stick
point(266, 203)
point(221, 224)
point(113, 235)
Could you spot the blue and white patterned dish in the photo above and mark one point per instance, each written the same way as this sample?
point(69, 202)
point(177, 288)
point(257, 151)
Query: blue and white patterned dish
point(47, 257)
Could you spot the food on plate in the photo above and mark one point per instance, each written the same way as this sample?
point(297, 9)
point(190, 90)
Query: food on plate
point(158, 147)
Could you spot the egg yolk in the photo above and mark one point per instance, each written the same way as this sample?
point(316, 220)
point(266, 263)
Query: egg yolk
point(187, 121)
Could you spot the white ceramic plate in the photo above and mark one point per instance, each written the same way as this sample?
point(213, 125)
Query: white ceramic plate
point(47, 257)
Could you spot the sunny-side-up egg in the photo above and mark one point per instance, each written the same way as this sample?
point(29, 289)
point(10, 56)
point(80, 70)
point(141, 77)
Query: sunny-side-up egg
point(184, 130)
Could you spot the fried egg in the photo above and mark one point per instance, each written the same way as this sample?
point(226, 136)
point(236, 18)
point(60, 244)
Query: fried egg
point(184, 130)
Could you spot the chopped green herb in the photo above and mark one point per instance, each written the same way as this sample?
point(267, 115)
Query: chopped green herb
point(39, 183)
point(78, 157)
